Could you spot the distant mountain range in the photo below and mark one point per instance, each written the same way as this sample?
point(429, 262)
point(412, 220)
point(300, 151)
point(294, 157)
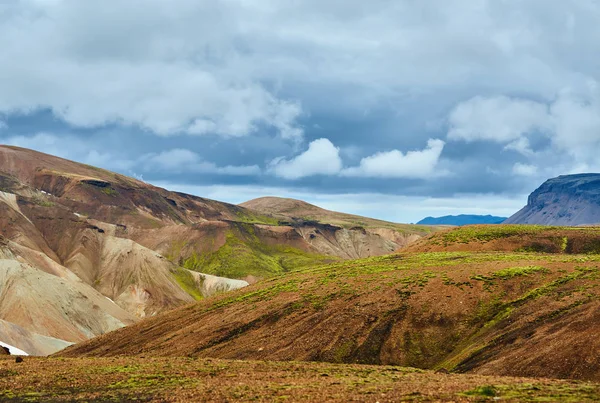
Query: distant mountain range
point(565, 200)
point(462, 219)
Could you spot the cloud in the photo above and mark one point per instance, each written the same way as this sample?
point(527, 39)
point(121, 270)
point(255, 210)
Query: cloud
point(172, 161)
point(577, 124)
point(524, 169)
point(321, 158)
point(94, 65)
point(69, 147)
point(3, 125)
point(501, 119)
point(238, 83)
point(571, 123)
point(395, 164)
point(180, 160)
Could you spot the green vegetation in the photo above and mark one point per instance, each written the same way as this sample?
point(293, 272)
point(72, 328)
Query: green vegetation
point(109, 191)
point(43, 202)
point(488, 391)
point(185, 379)
point(511, 272)
point(244, 254)
point(188, 283)
point(488, 233)
point(250, 217)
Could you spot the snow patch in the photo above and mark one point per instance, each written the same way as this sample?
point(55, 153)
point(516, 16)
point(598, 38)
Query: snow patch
point(13, 350)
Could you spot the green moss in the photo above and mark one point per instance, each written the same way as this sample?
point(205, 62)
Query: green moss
point(109, 191)
point(488, 391)
point(250, 217)
point(490, 232)
point(152, 380)
point(243, 254)
point(518, 271)
point(187, 282)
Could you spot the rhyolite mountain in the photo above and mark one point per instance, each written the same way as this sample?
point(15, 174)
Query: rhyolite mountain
point(565, 200)
point(467, 299)
point(462, 219)
point(84, 251)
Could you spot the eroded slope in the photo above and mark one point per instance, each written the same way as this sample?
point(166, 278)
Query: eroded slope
point(491, 312)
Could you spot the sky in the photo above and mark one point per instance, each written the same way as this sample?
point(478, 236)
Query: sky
point(392, 109)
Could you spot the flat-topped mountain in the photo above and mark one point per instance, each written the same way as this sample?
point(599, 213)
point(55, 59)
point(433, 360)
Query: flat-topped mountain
point(565, 200)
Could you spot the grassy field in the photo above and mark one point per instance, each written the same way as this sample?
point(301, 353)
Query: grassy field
point(185, 380)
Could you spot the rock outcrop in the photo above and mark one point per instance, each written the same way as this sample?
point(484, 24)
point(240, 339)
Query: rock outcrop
point(565, 200)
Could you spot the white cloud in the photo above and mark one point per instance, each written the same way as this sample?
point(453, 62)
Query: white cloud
point(321, 158)
point(172, 161)
point(520, 145)
point(164, 69)
point(395, 164)
point(69, 147)
point(571, 122)
point(577, 125)
point(500, 119)
point(180, 160)
point(3, 125)
point(524, 169)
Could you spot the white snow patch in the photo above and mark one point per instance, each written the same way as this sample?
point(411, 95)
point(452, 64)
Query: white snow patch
point(13, 350)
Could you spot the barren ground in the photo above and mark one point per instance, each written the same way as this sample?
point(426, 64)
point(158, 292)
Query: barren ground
point(187, 379)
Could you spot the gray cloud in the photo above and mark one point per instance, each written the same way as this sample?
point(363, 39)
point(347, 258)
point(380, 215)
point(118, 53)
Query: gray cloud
point(325, 96)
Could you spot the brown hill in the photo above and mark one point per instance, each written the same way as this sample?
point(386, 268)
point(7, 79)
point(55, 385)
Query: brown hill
point(502, 313)
point(85, 251)
point(352, 236)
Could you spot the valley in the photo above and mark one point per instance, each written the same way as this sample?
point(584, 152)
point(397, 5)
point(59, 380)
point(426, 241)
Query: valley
point(130, 290)
point(85, 251)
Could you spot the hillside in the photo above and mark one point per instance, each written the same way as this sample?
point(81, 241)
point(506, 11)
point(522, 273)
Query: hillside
point(485, 312)
point(300, 211)
point(357, 236)
point(565, 200)
point(84, 251)
point(462, 219)
point(512, 238)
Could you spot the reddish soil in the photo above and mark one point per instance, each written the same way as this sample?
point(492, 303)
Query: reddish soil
point(186, 380)
point(462, 312)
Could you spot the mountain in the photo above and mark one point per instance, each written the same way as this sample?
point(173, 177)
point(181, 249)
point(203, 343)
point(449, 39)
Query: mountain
point(84, 251)
point(340, 234)
point(508, 310)
point(462, 219)
point(565, 200)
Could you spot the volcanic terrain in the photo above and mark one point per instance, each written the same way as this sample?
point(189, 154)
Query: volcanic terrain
point(84, 251)
point(491, 307)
